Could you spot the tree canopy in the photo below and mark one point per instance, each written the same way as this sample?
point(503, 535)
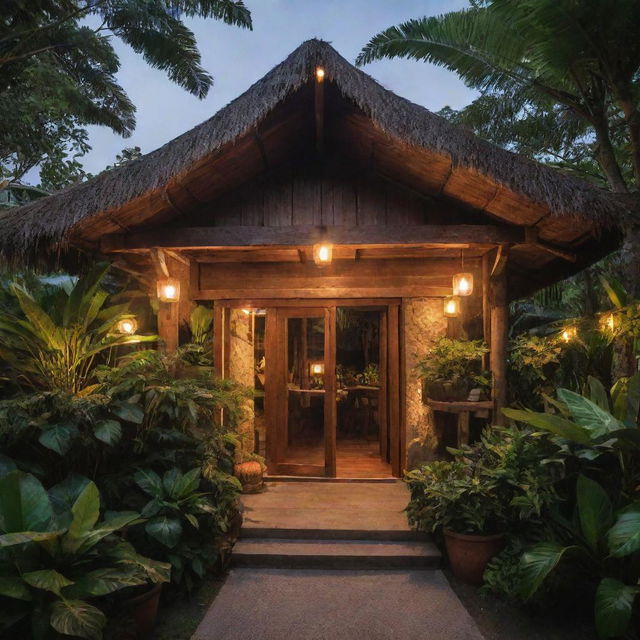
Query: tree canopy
point(58, 72)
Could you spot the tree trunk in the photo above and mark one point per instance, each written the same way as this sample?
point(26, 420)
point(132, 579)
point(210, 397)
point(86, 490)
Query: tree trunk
point(606, 157)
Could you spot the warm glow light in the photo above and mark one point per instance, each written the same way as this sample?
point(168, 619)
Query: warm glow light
point(169, 290)
point(608, 322)
point(246, 311)
point(319, 74)
point(451, 306)
point(127, 326)
point(316, 368)
point(322, 253)
point(463, 284)
point(569, 334)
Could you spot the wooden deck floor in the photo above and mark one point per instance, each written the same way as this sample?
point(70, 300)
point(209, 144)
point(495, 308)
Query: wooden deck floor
point(354, 459)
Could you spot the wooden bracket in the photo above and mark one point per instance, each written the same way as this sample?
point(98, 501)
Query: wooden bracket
point(500, 261)
point(159, 262)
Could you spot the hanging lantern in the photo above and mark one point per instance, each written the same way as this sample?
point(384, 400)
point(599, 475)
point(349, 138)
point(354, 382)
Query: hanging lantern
point(322, 253)
point(463, 284)
point(451, 307)
point(127, 326)
point(169, 290)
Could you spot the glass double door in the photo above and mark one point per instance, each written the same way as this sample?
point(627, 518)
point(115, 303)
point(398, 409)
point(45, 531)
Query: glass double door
point(302, 392)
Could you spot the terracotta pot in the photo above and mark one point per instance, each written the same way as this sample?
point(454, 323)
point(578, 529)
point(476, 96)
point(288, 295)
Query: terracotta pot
point(250, 476)
point(470, 554)
point(144, 610)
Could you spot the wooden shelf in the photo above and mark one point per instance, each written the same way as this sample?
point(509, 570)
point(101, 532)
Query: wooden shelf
point(457, 407)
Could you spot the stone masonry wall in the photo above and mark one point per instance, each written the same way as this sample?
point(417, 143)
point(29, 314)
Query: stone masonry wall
point(241, 369)
point(423, 323)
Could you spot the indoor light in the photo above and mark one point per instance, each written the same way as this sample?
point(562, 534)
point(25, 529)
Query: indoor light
point(316, 368)
point(319, 74)
point(463, 284)
point(127, 326)
point(451, 306)
point(169, 290)
point(322, 253)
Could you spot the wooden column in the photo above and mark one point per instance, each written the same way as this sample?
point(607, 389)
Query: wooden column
point(499, 338)
point(330, 390)
point(393, 364)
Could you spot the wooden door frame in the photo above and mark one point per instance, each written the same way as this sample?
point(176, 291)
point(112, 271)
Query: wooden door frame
point(392, 388)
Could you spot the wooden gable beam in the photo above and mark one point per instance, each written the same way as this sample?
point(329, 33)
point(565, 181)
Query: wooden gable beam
point(446, 236)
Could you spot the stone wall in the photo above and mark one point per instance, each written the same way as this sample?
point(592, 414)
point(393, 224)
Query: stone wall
point(423, 323)
point(241, 369)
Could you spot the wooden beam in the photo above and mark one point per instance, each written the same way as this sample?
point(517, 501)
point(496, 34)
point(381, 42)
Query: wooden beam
point(159, 261)
point(319, 113)
point(499, 341)
point(369, 236)
point(531, 238)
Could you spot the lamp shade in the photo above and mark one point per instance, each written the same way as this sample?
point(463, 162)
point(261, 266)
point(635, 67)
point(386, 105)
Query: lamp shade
point(451, 307)
point(128, 326)
point(322, 253)
point(316, 368)
point(463, 284)
point(169, 290)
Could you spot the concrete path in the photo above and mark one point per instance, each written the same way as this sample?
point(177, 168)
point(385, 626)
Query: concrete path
point(276, 604)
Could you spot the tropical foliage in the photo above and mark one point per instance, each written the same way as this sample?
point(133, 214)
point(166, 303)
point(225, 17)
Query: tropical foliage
point(58, 72)
point(58, 558)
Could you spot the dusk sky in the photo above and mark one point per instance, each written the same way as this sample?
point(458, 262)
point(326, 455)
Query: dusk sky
point(236, 58)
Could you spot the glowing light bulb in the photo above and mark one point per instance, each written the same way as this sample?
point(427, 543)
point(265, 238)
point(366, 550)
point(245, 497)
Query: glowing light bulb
point(319, 74)
point(463, 284)
point(322, 253)
point(127, 326)
point(451, 306)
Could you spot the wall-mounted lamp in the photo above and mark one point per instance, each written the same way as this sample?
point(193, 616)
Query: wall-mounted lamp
point(451, 307)
point(169, 290)
point(463, 284)
point(127, 326)
point(322, 253)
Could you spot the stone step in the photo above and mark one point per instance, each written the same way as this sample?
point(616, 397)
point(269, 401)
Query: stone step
point(252, 531)
point(334, 554)
point(282, 478)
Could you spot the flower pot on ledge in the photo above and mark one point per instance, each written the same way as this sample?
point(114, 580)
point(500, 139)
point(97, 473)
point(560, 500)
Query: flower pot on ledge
point(446, 390)
point(250, 476)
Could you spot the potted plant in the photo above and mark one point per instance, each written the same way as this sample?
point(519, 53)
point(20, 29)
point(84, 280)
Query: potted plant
point(452, 368)
point(466, 507)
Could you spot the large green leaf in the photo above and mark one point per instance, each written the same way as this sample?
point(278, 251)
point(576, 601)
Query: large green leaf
point(127, 412)
point(47, 580)
point(22, 537)
point(126, 555)
point(537, 563)
point(624, 536)
point(597, 393)
point(186, 484)
point(41, 324)
point(77, 618)
point(149, 481)
point(165, 530)
point(588, 414)
point(59, 438)
point(101, 582)
point(108, 431)
point(24, 504)
point(549, 422)
point(14, 587)
point(86, 511)
point(594, 510)
point(64, 494)
point(614, 607)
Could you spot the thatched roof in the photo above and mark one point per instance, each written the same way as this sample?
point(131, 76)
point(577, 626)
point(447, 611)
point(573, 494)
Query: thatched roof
point(46, 224)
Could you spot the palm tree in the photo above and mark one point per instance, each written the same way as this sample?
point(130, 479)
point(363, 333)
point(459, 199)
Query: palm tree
point(581, 55)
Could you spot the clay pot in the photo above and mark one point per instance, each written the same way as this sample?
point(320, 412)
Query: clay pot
point(144, 610)
point(470, 554)
point(250, 476)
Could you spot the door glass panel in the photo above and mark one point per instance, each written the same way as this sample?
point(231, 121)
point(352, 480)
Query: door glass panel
point(305, 391)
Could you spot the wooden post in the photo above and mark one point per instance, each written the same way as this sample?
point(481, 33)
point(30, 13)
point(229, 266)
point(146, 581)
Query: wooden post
point(393, 363)
point(499, 339)
point(486, 317)
point(271, 388)
point(330, 391)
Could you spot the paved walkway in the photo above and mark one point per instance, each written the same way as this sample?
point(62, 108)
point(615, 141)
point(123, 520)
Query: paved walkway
point(276, 604)
point(286, 585)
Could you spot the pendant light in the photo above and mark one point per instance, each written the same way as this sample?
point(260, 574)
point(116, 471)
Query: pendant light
point(463, 281)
